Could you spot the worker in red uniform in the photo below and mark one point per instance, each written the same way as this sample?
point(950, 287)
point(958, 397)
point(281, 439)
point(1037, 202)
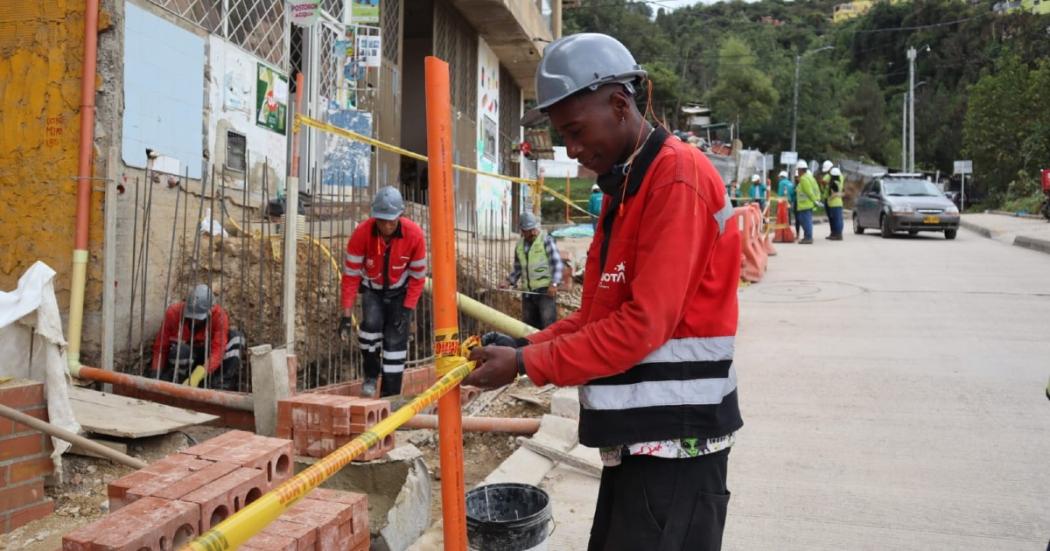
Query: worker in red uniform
point(195, 344)
point(651, 347)
point(386, 261)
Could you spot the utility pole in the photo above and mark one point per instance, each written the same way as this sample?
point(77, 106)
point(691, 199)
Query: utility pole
point(912, 53)
point(794, 105)
point(904, 132)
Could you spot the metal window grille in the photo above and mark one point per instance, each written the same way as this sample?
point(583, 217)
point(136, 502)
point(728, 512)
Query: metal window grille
point(390, 22)
point(509, 117)
point(255, 25)
point(236, 146)
point(457, 43)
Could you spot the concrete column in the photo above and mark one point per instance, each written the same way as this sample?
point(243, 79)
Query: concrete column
point(270, 383)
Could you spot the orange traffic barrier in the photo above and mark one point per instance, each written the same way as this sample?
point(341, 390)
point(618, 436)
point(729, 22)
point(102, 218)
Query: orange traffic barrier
point(784, 233)
point(446, 322)
point(753, 256)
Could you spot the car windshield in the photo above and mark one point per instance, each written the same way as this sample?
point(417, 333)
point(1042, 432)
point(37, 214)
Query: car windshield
point(910, 188)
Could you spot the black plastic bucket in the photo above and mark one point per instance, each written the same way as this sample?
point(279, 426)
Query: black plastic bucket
point(508, 517)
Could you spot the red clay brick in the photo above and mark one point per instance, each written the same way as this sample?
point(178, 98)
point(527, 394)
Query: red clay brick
point(357, 529)
point(3, 475)
point(231, 438)
point(22, 394)
point(16, 496)
point(117, 490)
point(327, 517)
point(271, 542)
point(150, 522)
point(28, 514)
point(272, 455)
point(304, 536)
point(195, 481)
point(227, 495)
point(21, 446)
point(9, 427)
point(163, 478)
point(30, 468)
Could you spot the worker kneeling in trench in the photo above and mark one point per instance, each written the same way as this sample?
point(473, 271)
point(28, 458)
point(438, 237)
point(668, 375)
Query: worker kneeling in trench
point(195, 344)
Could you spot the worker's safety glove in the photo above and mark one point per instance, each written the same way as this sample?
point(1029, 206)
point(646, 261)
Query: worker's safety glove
point(196, 377)
point(402, 321)
point(346, 327)
point(501, 339)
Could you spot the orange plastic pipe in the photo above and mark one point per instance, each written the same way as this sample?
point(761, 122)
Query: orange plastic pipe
point(230, 400)
point(87, 146)
point(446, 324)
point(299, 83)
point(509, 425)
point(87, 123)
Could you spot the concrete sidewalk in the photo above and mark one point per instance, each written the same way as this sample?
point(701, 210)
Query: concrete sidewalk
point(1030, 233)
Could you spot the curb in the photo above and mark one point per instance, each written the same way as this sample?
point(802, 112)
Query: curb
point(977, 229)
point(1035, 244)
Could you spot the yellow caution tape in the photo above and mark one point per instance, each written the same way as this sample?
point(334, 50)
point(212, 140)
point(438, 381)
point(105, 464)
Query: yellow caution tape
point(351, 135)
point(242, 525)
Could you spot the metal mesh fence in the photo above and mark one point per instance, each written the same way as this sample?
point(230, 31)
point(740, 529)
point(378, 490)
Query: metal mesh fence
point(255, 25)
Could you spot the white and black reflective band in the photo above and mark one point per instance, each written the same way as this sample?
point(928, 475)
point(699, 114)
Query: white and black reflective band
point(395, 354)
point(693, 349)
point(368, 337)
point(417, 264)
point(695, 392)
point(357, 259)
point(235, 342)
point(393, 368)
point(351, 272)
point(231, 354)
point(417, 275)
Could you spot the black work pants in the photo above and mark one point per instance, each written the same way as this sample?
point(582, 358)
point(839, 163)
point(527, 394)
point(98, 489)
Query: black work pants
point(184, 357)
point(666, 504)
point(383, 336)
point(540, 310)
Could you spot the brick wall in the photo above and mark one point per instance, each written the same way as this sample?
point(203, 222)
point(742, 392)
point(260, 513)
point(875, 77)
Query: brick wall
point(24, 457)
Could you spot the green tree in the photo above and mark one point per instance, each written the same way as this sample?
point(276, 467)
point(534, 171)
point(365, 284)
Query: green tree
point(866, 112)
point(743, 93)
point(997, 124)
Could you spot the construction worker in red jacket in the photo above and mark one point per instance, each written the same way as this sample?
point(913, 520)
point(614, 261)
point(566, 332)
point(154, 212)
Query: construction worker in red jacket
point(195, 344)
point(386, 261)
point(651, 346)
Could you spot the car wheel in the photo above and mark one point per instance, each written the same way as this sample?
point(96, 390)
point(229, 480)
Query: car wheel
point(884, 225)
point(950, 234)
point(857, 228)
point(913, 232)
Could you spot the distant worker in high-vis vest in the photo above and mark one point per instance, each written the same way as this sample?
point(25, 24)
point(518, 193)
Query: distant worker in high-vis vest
point(538, 265)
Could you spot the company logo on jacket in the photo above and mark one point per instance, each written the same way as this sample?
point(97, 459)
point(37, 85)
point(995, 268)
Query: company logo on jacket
point(616, 276)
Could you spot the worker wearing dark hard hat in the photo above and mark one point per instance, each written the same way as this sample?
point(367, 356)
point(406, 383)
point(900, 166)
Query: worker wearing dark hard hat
point(808, 193)
point(386, 261)
point(651, 346)
point(539, 267)
point(196, 346)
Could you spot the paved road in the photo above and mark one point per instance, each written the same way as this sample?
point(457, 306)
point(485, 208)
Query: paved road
point(893, 398)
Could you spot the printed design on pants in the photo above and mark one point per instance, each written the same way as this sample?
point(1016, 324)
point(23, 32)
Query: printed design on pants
point(679, 448)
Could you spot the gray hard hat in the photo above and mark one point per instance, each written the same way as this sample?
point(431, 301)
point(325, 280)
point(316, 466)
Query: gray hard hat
point(388, 204)
point(198, 304)
point(528, 221)
point(580, 62)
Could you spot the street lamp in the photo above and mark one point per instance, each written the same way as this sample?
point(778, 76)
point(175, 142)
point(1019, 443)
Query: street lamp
point(794, 107)
point(912, 54)
point(904, 129)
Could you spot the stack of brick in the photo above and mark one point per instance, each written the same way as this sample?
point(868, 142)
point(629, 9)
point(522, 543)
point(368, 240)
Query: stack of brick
point(173, 500)
point(416, 380)
point(24, 457)
point(319, 424)
point(323, 520)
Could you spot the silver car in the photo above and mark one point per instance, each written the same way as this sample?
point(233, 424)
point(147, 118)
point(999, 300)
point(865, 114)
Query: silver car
point(895, 203)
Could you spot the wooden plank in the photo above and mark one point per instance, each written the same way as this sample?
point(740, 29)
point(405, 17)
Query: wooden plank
point(113, 415)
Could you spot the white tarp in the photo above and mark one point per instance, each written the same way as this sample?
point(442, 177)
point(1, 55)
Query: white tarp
point(32, 346)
